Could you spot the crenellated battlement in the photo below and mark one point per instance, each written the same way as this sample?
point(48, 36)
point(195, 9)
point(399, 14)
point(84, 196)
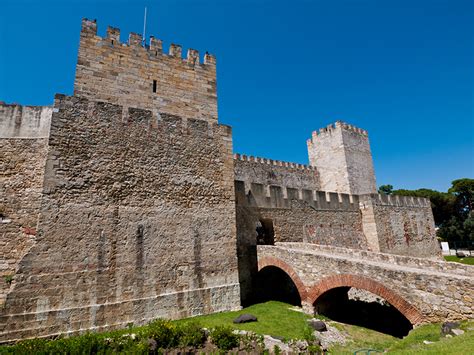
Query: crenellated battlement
point(138, 74)
point(331, 128)
point(394, 200)
point(271, 196)
point(151, 123)
point(252, 159)
point(154, 47)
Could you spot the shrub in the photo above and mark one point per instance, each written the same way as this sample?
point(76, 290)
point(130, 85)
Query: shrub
point(191, 334)
point(224, 338)
point(165, 333)
point(252, 341)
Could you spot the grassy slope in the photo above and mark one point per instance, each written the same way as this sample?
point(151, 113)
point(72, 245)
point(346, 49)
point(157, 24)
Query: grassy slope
point(275, 318)
point(412, 344)
point(467, 260)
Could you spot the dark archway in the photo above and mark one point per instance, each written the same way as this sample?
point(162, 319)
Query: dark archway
point(367, 310)
point(272, 283)
point(265, 232)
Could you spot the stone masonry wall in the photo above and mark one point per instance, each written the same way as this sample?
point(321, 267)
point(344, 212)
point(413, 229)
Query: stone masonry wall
point(341, 154)
point(273, 172)
point(137, 222)
point(400, 225)
point(424, 291)
point(24, 121)
point(126, 74)
point(23, 146)
point(296, 216)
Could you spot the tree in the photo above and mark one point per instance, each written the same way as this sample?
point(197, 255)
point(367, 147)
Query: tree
point(463, 190)
point(385, 189)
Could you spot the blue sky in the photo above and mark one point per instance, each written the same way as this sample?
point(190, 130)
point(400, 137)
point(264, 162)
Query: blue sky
point(403, 70)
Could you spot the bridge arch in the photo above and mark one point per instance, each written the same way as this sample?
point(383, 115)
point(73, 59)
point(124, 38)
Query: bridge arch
point(364, 283)
point(270, 261)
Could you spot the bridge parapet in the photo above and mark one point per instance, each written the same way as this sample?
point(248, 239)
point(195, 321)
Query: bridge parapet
point(424, 263)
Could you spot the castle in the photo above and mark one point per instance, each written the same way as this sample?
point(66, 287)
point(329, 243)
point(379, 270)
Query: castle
point(125, 202)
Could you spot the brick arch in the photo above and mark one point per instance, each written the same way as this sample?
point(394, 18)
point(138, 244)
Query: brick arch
point(270, 261)
point(361, 282)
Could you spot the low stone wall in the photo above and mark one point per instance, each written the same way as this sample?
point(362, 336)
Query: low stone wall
point(421, 294)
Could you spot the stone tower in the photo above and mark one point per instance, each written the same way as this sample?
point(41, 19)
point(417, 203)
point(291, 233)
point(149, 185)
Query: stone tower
point(341, 154)
point(136, 75)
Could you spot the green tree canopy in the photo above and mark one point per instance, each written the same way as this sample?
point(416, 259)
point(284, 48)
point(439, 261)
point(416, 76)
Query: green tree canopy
point(385, 189)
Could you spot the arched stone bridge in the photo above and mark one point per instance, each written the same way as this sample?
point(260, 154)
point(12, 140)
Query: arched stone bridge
point(422, 290)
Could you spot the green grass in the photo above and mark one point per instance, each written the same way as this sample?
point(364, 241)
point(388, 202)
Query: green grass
point(274, 318)
point(362, 338)
point(467, 260)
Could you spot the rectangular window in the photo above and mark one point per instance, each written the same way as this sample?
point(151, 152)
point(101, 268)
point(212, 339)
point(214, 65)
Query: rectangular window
point(154, 85)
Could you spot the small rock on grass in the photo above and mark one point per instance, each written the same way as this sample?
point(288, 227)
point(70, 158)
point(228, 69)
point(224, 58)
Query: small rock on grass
point(317, 325)
point(457, 331)
point(245, 318)
point(447, 327)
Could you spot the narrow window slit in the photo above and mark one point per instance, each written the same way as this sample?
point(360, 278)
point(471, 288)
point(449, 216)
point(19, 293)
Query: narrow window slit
point(154, 85)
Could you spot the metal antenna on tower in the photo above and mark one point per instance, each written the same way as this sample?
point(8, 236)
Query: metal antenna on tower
point(144, 30)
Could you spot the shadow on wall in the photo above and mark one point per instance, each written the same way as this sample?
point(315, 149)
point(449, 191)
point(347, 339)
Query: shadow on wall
point(274, 284)
point(372, 314)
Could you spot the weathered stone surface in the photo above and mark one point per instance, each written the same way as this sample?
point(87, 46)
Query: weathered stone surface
point(131, 75)
point(317, 325)
point(271, 172)
point(341, 153)
point(423, 290)
point(137, 221)
point(245, 318)
point(22, 163)
point(24, 121)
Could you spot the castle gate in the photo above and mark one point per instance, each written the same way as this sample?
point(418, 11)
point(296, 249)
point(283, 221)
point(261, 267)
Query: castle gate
point(422, 290)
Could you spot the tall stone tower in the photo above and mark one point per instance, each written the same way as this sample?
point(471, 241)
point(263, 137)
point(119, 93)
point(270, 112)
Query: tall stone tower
point(133, 75)
point(341, 154)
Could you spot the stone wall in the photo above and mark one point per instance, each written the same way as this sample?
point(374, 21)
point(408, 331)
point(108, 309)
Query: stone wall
point(400, 225)
point(304, 215)
point(137, 222)
point(341, 154)
point(22, 164)
point(24, 121)
point(273, 172)
point(423, 290)
point(23, 146)
point(131, 75)
point(295, 216)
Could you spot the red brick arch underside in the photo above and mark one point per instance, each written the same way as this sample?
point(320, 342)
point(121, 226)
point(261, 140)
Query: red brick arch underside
point(270, 261)
point(361, 282)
